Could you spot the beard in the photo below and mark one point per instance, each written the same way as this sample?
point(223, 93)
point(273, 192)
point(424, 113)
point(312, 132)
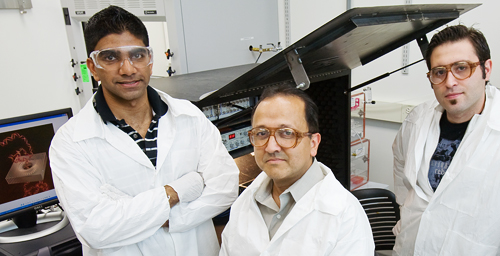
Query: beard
point(453, 102)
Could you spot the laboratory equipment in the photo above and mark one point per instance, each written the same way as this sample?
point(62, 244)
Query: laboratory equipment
point(320, 63)
point(25, 178)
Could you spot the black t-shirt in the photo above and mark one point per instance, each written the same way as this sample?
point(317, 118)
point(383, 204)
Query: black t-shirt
point(449, 139)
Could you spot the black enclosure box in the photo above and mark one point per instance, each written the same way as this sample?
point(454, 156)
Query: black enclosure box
point(320, 63)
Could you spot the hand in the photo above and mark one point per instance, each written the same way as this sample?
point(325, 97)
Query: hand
point(172, 195)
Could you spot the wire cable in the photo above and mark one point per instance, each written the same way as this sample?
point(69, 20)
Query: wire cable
point(258, 57)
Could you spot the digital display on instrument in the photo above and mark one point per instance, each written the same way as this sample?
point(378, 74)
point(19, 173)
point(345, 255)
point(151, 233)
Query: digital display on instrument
point(236, 138)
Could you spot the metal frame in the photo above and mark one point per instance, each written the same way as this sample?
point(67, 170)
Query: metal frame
point(22, 5)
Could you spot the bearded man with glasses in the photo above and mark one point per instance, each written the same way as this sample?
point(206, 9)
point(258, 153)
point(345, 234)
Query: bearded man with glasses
point(137, 171)
point(295, 206)
point(447, 154)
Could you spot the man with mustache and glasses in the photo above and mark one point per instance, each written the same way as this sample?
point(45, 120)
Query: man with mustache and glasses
point(295, 206)
point(447, 154)
point(138, 172)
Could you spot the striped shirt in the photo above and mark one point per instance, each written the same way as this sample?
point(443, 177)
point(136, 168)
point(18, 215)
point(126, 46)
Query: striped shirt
point(147, 144)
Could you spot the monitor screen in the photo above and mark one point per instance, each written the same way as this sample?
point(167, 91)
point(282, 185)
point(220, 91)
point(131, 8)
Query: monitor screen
point(25, 175)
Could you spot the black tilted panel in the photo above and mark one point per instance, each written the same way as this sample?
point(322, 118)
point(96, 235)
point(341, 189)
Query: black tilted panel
point(334, 124)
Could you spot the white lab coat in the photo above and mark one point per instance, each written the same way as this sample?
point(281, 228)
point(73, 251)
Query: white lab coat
point(327, 220)
point(115, 198)
point(463, 215)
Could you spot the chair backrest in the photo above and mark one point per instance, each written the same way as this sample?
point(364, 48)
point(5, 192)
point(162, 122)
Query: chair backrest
point(383, 213)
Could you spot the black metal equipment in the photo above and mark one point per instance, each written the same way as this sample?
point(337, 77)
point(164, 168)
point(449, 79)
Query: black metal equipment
point(321, 64)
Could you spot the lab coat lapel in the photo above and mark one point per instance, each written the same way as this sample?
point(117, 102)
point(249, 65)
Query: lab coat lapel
point(122, 142)
point(314, 199)
point(166, 135)
point(466, 151)
point(90, 125)
point(253, 224)
point(430, 122)
point(301, 209)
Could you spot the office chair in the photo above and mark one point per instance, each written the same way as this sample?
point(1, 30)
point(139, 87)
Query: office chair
point(383, 213)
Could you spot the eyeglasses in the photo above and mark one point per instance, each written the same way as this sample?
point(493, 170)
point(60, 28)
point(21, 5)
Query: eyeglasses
point(113, 58)
point(285, 137)
point(461, 70)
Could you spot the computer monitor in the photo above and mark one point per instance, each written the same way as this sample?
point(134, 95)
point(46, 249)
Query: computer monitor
point(25, 177)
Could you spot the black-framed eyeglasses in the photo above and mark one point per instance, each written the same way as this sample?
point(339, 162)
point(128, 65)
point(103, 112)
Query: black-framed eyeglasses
point(461, 70)
point(285, 137)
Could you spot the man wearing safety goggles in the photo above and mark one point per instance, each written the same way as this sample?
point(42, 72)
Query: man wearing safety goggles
point(295, 206)
point(137, 171)
point(447, 154)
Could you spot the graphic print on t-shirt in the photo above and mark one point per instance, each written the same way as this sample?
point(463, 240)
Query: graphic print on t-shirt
point(441, 159)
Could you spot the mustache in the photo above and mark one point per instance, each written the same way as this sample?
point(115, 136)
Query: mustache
point(275, 155)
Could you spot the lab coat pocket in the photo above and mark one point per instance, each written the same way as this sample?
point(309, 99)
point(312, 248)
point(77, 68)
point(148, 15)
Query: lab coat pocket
point(462, 193)
point(456, 243)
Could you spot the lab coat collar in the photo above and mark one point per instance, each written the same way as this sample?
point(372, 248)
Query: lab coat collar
point(167, 125)
point(315, 198)
point(423, 126)
point(488, 118)
point(492, 103)
point(313, 175)
point(101, 106)
point(321, 197)
point(326, 194)
point(90, 125)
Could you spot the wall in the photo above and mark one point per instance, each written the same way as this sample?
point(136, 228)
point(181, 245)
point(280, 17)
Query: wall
point(218, 36)
point(158, 39)
point(35, 64)
point(306, 16)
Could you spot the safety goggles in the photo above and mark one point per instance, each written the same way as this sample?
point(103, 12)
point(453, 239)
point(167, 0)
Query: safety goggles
point(113, 58)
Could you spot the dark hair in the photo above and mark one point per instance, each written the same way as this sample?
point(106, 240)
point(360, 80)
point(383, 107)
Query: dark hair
point(458, 33)
point(113, 20)
point(311, 109)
